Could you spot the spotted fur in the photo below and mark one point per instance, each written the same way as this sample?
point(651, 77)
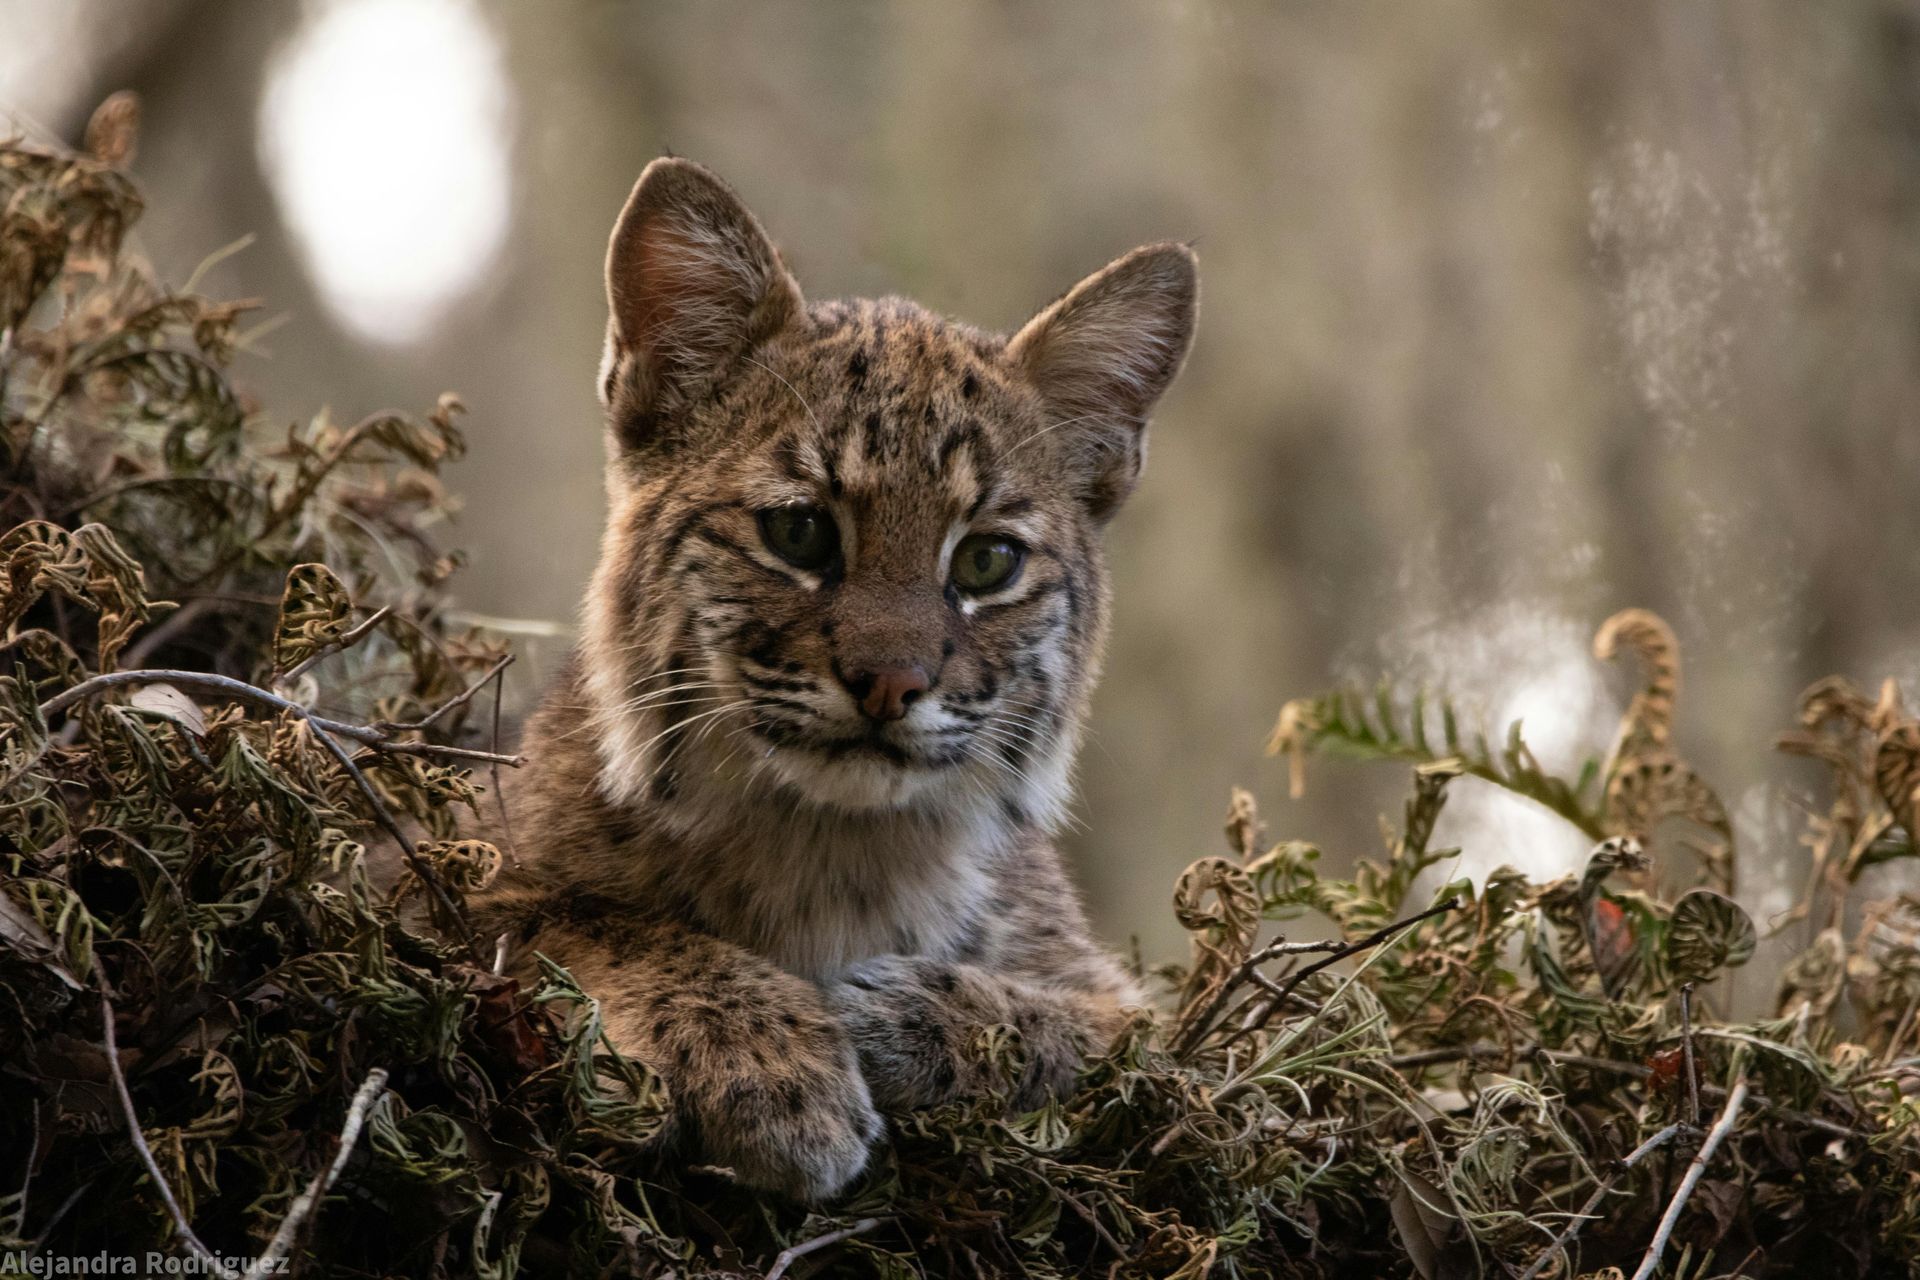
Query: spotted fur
point(795, 914)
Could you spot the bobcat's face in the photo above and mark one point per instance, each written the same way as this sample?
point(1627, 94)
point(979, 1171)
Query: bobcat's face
point(853, 554)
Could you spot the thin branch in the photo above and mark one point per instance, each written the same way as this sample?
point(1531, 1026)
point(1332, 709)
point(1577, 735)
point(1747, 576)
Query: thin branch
point(436, 751)
point(458, 700)
point(73, 1198)
point(1092, 1219)
point(369, 1093)
point(419, 865)
point(1721, 1128)
point(1447, 1053)
point(268, 1262)
point(176, 622)
point(1073, 1202)
point(347, 640)
point(21, 1197)
point(790, 1256)
point(1249, 971)
point(1335, 952)
point(147, 482)
point(180, 1225)
point(1338, 952)
point(1686, 1040)
point(379, 737)
point(1712, 1091)
point(1572, 1229)
point(499, 792)
point(1372, 940)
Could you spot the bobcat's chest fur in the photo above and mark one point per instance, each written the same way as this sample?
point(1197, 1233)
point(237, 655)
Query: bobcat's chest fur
point(818, 893)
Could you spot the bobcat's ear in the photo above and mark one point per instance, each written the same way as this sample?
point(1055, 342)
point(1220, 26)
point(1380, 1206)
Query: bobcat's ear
point(692, 284)
point(1102, 355)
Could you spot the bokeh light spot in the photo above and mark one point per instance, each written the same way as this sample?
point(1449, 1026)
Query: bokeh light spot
point(384, 131)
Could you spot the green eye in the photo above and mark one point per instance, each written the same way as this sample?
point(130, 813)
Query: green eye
point(983, 562)
point(804, 536)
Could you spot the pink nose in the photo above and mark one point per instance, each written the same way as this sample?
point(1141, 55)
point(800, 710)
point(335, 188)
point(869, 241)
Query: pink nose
point(887, 693)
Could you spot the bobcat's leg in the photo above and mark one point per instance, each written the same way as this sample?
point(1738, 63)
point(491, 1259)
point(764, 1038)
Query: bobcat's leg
point(764, 1079)
point(912, 1020)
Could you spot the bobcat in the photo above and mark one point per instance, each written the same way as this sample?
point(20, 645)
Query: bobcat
point(787, 811)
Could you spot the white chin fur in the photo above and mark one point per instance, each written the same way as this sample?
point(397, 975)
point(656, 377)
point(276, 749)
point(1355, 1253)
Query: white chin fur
point(869, 785)
point(856, 785)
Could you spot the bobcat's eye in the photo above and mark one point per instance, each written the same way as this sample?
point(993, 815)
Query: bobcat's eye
point(984, 562)
point(802, 535)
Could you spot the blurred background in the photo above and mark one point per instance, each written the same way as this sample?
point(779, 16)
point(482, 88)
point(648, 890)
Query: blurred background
point(1513, 315)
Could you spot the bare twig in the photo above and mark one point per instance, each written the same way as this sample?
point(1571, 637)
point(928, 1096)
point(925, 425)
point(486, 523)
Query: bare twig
point(1686, 1041)
point(147, 482)
point(790, 1256)
point(179, 620)
point(379, 737)
point(303, 1206)
point(1337, 952)
point(347, 640)
point(1372, 940)
point(1586, 1213)
point(435, 750)
point(458, 700)
point(499, 793)
point(1092, 1219)
point(20, 1197)
point(73, 1198)
point(1736, 1096)
point(1073, 1202)
point(1447, 1053)
point(386, 819)
point(180, 1225)
point(1249, 971)
point(1900, 1030)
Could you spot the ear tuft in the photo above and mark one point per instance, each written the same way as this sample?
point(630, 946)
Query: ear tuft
point(1101, 357)
point(692, 284)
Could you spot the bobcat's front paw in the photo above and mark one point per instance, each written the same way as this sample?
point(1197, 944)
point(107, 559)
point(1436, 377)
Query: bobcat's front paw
point(913, 1020)
point(802, 1128)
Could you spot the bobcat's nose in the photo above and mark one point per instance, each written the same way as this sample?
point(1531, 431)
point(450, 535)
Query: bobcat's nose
point(886, 694)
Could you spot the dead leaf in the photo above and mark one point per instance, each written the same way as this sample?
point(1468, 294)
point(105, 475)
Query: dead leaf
point(1423, 1224)
point(162, 699)
point(25, 935)
point(506, 1020)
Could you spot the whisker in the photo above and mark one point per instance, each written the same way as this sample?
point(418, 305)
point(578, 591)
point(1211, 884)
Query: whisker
point(703, 677)
point(1014, 777)
point(789, 386)
point(1003, 733)
point(1014, 717)
point(733, 735)
point(689, 722)
point(1067, 422)
point(588, 722)
point(641, 700)
point(1016, 745)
